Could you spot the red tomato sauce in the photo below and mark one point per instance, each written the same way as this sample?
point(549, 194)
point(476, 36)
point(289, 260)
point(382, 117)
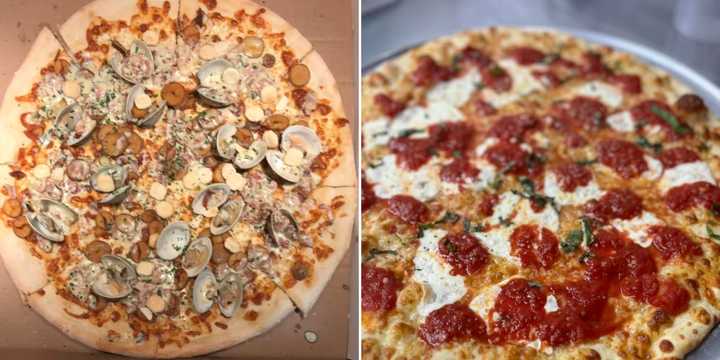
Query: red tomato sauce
point(379, 288)
point(464, 253)
point(626, 158)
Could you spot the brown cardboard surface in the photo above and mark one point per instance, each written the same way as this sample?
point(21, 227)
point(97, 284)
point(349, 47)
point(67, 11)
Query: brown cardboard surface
point(331, 26)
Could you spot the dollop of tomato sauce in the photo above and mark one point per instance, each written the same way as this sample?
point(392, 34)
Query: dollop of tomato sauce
point(628, 83)
point(483, 108)
point(686, 196)
point(580, 113)
point(574, 140)
point(672, 298)
point(411, 153)
point(671, 242)
point(608, 241)
point(572, 175)
point(368, 195)
point(615, 204)
point(514, 128)
point(593, 66)
point(647, 112)
point(487, 204)
point(379, 288)
point(464, 253)
point(387, 105)
point(428, 72)
point(525, 55)
point(408, 209)
point(519, 308)
point(449, 138)
point(459, 171)
point(536, 247)
point(474, 57)
point(512, 159)
point(452, 322)
point(496, 78)
point(678, 155)
point(625, 157)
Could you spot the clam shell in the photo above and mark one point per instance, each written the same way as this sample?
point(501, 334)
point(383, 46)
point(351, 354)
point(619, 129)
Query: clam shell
point(282, 228)
point(137, 48)
point(173, 240)
point(114, 282)
point(252, 156)
point(290, 173)
point(228, 215)
point(210, 91)
point(213, 196)
point(230, 294)
point(205, 290)
point(152, 117)
point(81, 131)
point(50, 219)
point(197, 256)
point(117, 196)
point(118, 173)
point(304, 138)
point(224, 140)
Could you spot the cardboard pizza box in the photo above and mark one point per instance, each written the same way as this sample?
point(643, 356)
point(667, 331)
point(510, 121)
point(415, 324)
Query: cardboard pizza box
point(331, 26)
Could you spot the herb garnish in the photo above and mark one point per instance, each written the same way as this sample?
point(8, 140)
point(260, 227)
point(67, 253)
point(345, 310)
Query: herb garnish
point(496, 71)
point(644, 142)
point(469, 227)
point(670, 119)
point(377, 252)
point(586, 162)
point(713, 235)
point(588, 237)
point(528, 192)
point(572, 241)
point(408, 132)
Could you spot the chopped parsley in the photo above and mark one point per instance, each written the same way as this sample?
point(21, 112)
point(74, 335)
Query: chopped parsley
point(408, 132)
point(496, 71)
point(587, 234)
point(457, 154)
point(586, 162)
point(670, 119)
point(450, 246)
point(528, 192)
point(469, 227)
point(585, 257)
point(572, 241)
point(448, 217)
point(505, 222)
point(644, 142)
point(711, 234)
point(378, 252)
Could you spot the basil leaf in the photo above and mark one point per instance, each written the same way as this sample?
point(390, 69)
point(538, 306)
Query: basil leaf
point(586, 162)
point(408, 132)
point(713, 235)
point(670, 119)
point(572, 241)
point(643, 142)
point(450, 217)
point(587, 234)
point(377, 252)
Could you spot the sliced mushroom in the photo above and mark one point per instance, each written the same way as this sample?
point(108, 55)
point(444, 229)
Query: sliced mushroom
point(136, 65)
point(282, 228)
point(149, 116)
point(114, 281)
point(228, 215)
point(173, 240)
point(205, 290)
point(197, 256)
point(49, 218)
point(247, 158)
point(230, 294)
point(212, 197)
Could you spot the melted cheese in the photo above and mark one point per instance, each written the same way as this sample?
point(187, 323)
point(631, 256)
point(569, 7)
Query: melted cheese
point(484, 301)
point(622, 122)
point(580, 195)
point(423, 184)
point(551, 304)
point(440, 287)
point(655, 168)
point(636, 228)
point(607, 94)
point(485, 145)
point(457, 91)
point(375, 133)
point(686, 173)
point(497, 241)
point(417, 118)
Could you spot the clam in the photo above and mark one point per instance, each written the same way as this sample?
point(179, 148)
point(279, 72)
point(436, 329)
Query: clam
point(228, 215)
point(49, 218)
point(303, 138)
point(117, 196)
point(81, 130)
point(247, 158)
point(212, 197)
point(114, 282)
point(197, 256)
point(67, 118)
point(153, 114)
point(172, 240)
point(230, 294)
point(109, 178)
point(211, 83)
point(205, 289)
point(282, 228)
point(224, 141)
point(136, 65)
point(210, 119)
point(277, 164)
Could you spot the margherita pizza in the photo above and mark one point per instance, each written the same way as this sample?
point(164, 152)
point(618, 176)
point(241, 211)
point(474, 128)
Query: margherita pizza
point(177, 177)
point(528, 195)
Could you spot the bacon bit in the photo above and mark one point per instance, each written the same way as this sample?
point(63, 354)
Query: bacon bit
point(324, 109)
point(166, 8)
point(321, 161)
point(257, 18)
point(221, 325)
point(114, 316)
point(322, 251)
point(340, 122)
point(193, 333)
point(210, 4)
point(251, 315)
point(41, 292)
point(288, 58)
point(29, 97)
point(143, 28)
point(17, 174)
point(143, 6)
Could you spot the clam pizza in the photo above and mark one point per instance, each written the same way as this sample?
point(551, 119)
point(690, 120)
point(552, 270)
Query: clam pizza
point(177, 175)
point(526, 194)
